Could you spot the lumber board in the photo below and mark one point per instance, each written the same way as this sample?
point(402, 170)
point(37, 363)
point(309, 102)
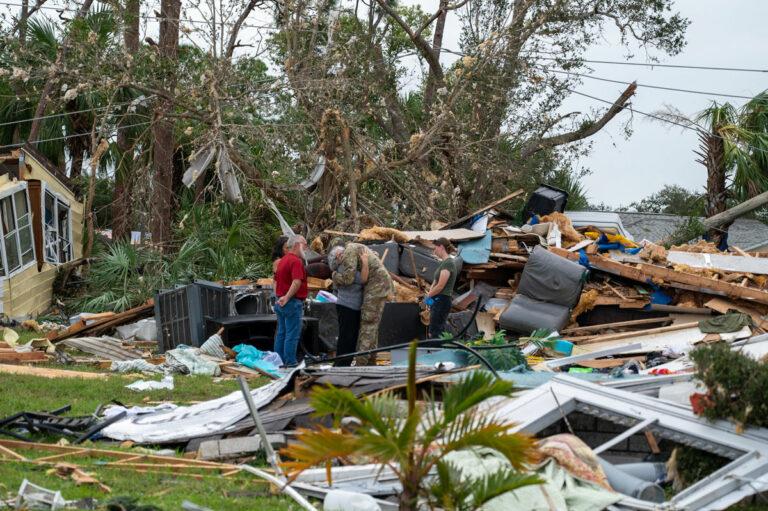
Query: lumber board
point(485, 208)
point(618, 324)
point(639, 333)
point(14, 357)
point(81, 329)
point(604, 363)
point(44, 372)
point(647, 272)
point(734, 263)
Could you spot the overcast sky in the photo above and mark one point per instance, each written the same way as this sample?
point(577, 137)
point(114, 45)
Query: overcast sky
point(722, 34)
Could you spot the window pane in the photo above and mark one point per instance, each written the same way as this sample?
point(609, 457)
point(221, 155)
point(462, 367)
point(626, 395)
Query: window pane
point(21, 203)
point(6, 210)
point(50, 207)
point(25, 239)
point(12, 253)
point(65, 249)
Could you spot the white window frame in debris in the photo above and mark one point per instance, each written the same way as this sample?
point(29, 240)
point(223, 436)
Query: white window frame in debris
point(57, 242)
point(745, 475)
point(16, 229)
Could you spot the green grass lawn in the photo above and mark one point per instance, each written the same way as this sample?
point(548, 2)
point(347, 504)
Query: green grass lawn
point(167, 492)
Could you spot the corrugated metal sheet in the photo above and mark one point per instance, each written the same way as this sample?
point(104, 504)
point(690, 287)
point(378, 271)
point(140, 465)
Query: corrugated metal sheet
point(103, 347)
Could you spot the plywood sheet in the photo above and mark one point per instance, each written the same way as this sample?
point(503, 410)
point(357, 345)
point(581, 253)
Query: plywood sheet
point(739, 264)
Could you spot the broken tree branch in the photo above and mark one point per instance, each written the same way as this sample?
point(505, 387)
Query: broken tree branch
point(531, 148)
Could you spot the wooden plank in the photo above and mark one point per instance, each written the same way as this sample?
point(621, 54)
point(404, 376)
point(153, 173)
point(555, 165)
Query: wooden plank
point(485, 208)
point(105, 324)
point(648, 272)
point(738, 264)
point(50, 373)
point(14, 357)
point(723, 306)
point(618, 324)
point(605, 363)
point(640, 333)
point(455, 235)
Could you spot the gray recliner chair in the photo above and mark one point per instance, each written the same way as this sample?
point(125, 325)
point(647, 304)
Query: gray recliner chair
point(550, 287)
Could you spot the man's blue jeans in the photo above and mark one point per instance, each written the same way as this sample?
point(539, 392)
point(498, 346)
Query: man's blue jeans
point(288, 330)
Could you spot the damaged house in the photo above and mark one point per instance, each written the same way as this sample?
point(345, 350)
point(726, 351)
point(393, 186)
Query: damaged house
point(42, 222)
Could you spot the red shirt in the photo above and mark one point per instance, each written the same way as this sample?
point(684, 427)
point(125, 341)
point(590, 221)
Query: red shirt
point(290, 268)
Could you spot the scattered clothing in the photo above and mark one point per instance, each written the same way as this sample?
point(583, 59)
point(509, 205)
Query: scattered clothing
point(133, 366)
point(732, 322)
point(254, 358)
point(142, 385)
point(190, 361)
point(214, 347)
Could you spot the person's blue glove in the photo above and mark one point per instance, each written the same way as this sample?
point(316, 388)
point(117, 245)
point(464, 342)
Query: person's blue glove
point(429, 301)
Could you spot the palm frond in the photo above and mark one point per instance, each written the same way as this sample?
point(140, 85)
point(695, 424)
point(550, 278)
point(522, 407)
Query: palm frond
point(472, 390)
point(499, 483)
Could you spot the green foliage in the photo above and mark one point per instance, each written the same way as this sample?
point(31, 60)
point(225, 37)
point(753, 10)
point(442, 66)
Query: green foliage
point(672, 200)
point(501, 359)
point(413, 438)
point(453, 491)
point(221, 242)
point(689, 230)
point(692, 465)
point(735, 383)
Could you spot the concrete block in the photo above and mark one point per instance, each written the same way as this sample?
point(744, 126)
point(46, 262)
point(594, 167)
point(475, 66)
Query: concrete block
point(238, 447)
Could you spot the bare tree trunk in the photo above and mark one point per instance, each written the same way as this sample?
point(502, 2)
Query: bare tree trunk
point(437, 46)
point(347, 147)
point(122, 204)
point(50, 81)
point(162, 129)
point(98, 152)
point(712, 156)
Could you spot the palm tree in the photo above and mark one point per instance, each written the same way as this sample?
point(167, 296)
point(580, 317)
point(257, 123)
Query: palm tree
point(414, 443)
point(734, 150)
point(60, 135)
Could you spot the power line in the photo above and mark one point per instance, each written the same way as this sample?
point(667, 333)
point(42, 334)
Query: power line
point(673, 66)
point(94, 109)
point(64, 137)
point(662, 119)
point(645, 85)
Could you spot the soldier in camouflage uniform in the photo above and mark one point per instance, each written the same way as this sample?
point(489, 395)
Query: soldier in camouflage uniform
point(378, 289)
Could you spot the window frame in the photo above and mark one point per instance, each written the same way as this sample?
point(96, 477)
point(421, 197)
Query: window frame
point(57, 199)
point(11, 192)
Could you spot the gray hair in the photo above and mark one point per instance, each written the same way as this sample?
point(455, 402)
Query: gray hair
point(293, 240)
point(333, 257)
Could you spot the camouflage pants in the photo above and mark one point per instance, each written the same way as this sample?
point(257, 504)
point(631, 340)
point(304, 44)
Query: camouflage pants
point(375, 296)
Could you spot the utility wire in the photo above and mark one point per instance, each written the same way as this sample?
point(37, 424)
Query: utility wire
point(663, 119)
point(64, 137)
point(672, 66)
point(644, 85)
point(63, 114)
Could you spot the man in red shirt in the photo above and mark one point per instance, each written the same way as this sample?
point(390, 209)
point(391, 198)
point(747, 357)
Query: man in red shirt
point(291, 291)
